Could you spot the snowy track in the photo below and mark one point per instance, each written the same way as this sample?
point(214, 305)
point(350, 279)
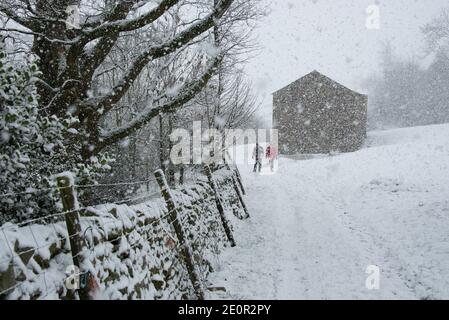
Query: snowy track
point(317, 224)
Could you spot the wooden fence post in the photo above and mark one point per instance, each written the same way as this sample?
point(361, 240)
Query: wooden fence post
point(220, 208)
point(236, 176)
point(239, 179)
point(72, 219)
point(237, 190)
point(236, 171)
point(240, 196)
point(186, 250)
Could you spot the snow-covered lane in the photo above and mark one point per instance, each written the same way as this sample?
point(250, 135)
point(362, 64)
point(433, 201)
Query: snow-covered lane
point(317, 225)
point(294, 247)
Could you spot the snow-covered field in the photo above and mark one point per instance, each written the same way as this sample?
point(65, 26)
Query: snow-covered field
point(317, 224)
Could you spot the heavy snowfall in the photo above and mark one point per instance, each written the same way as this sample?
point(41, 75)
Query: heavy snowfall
point(118, 179)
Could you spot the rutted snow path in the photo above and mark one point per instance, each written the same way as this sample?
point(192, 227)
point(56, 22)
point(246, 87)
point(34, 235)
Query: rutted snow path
point(294, 247)
point(309, 236)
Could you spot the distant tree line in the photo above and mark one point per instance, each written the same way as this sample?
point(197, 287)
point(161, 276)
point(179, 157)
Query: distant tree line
point(410, 92)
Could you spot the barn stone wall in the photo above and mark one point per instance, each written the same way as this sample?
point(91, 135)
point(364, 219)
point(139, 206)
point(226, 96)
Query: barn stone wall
point(318, 115)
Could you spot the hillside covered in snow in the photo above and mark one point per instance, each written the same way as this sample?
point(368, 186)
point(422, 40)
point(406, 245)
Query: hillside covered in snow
point(318, 224)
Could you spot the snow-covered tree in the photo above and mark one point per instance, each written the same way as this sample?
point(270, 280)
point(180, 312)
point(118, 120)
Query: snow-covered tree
point(437, 32)
point(22, 142)
point(32, 147)
point(409, 92)
point(149, 146)
point(71, 57)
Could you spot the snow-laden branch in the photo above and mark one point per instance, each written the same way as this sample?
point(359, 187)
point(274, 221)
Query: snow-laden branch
point(11, 14)
point(106, 102)
point(124, 25)
point(184, 94)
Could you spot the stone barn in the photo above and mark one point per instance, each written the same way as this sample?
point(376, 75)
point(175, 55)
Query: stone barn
point(315, 115)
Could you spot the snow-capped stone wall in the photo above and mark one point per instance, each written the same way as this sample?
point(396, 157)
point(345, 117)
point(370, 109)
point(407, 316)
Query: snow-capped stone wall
point(131, 251)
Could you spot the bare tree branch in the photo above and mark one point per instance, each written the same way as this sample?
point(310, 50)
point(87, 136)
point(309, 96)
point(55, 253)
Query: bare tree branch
point(158, 51)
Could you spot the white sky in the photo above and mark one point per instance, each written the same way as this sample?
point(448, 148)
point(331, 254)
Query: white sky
point(331, 36)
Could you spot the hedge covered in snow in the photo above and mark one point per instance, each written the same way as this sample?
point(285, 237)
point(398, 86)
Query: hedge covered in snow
point(131, 251)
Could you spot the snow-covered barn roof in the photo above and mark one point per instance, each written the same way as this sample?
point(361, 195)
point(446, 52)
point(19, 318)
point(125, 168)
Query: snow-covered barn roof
point(315, 75)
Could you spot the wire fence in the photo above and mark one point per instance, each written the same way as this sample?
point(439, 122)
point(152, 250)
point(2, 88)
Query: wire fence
point(99, 226)
point(95, 226)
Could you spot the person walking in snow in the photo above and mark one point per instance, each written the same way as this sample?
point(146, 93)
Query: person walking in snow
point(257, 156)
point(271, 154)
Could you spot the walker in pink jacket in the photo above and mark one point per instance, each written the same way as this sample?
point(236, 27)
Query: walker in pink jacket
point(271, 153)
